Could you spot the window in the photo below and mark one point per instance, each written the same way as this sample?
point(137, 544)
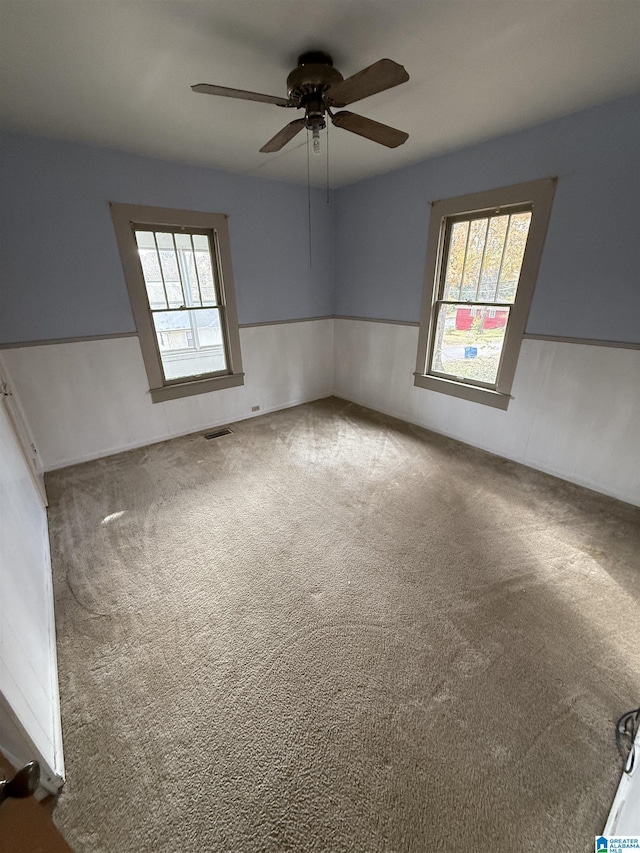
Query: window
point(177, 266)
point(482, 262)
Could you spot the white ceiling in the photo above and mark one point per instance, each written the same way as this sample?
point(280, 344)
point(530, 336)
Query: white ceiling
point(117, 72)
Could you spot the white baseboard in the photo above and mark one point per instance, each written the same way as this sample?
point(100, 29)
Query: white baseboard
point(181, 433)
point(85, 400)
point(573, 414)
point(486, 448)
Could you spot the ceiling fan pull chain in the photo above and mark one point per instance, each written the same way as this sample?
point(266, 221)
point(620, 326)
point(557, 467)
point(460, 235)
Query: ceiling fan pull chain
point(328, 162)
point(309, 195)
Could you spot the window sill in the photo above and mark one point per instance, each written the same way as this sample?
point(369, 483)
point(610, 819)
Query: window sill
point(196, 386)
point(473, 393)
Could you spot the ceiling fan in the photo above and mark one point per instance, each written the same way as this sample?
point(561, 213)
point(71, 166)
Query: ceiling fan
point(317, 87)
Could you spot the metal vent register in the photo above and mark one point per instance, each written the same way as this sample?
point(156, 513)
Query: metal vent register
point(218, 433)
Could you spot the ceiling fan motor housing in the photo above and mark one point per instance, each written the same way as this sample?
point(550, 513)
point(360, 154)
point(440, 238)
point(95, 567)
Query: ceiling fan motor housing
point(308, 82)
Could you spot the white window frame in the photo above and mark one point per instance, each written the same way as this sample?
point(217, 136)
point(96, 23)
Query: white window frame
point(536, 196)
point(126, 219)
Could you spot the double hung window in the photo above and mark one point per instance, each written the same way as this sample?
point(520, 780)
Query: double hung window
point(482, 262)
point(178, 270)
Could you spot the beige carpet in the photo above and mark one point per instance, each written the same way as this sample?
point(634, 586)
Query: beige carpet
point(331, 631)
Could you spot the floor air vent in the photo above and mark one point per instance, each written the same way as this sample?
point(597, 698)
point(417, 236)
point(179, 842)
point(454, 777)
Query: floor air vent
point(218, 433)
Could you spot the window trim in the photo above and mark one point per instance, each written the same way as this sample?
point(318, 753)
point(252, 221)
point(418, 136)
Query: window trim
point(126, 217)
point(539, 195)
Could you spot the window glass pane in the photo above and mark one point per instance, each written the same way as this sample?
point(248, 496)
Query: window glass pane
point(186, 263)
point(155, 293)
point(190, 342)
point(473, 261)
point(205, 271)
point(492, 258)
point(150, 265)
point(455, 263)
point(513, 255)
point(174, 330)
point(170, 271)
point(151, 269)
point(145, 240)
point(468, 341)
point(209, 329)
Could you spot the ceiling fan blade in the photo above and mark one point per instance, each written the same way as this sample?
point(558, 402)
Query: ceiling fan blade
point(209, 89)
point(283, 136)
point(384, 74)
point(370, 129)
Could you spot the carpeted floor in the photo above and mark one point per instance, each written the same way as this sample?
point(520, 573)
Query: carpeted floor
point(332, 631)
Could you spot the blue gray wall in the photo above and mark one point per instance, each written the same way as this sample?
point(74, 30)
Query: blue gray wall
point(61, 276)
point(589, 280)
point(60, 270)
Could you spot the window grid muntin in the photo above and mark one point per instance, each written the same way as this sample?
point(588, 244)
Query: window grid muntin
point(174, 299)
point(219, 305)
point(195, 268)
point(504, 250)
point(448, 256)
point(442, 268)
point(484, 252)
point(161, 268)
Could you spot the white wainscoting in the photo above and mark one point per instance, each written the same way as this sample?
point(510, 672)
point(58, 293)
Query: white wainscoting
point(575, 411)
point(29, 702)
point(88, 399)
